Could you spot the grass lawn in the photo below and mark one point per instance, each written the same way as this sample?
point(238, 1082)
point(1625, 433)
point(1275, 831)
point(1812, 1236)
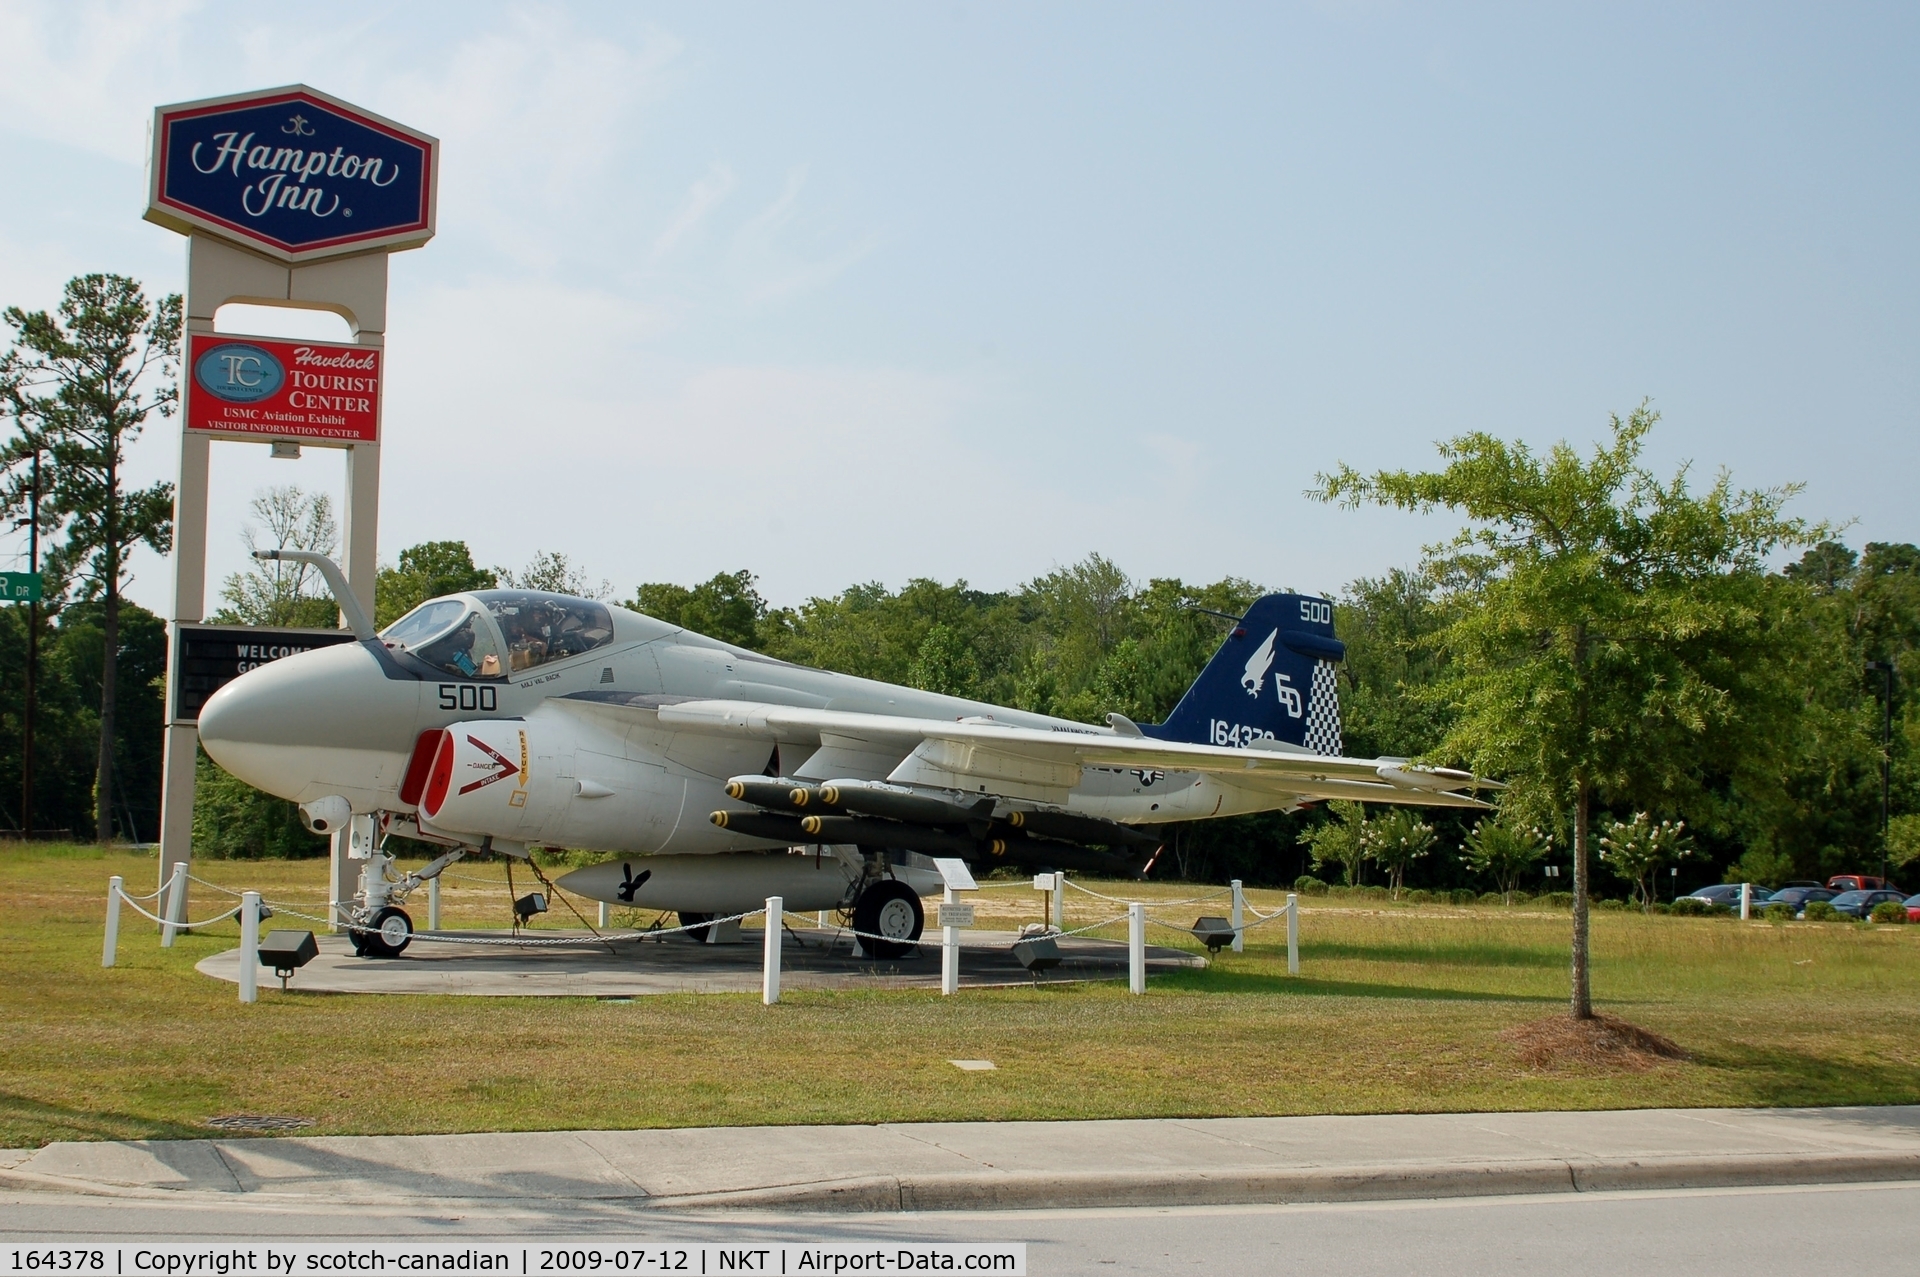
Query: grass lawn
point(1398, 1009)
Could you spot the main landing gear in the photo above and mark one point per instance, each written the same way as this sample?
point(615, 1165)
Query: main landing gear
point(889, 908)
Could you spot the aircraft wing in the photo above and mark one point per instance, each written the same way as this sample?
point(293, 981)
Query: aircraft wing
point(982, 756)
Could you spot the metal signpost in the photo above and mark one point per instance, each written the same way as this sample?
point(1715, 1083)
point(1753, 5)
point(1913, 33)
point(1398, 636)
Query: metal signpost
point(287, 197)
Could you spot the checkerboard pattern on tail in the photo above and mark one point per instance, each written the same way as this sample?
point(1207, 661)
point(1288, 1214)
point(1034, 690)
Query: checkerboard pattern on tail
point(1323, 710)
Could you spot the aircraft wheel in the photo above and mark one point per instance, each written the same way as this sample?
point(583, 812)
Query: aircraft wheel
point(392, 931)
point(698, 921)
point(892, 909)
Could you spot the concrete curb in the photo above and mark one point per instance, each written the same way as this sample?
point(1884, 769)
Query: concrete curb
point(1082, 1190)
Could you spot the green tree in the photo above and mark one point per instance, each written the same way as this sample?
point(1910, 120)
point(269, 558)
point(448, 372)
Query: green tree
point(81, 383)
point(1903, 841)
point(553, 572)
point(1504, 849)
point(1394, 841)
point(280, 593)
point(234, 821)
point(726, 607)
point(1638, 849)
point(1340, 840)
point(1614, 638)
point(426, 571)
point(945, 664)
point(1388, 624)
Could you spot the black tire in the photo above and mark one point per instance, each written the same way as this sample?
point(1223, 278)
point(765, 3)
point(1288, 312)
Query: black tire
point(389, 933)
point(698, 922)
point(886, 908)
point(358, 939)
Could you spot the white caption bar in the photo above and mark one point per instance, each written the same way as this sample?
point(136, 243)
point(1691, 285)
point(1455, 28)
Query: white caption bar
point(516, 1258)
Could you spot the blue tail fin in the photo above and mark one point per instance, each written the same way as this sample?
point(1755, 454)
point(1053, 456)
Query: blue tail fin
point(1274, 678)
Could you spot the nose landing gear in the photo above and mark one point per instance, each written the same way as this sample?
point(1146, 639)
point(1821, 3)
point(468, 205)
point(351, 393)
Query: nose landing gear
point(386, 935)
point(379, 927)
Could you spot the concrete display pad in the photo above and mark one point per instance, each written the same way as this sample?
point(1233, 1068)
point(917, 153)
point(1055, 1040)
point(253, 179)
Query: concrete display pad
point(811, 959)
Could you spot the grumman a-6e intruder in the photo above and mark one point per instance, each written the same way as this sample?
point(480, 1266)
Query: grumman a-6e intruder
point(715, 777)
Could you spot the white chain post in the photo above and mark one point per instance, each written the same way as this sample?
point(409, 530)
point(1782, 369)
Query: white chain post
point(1293, 934)
point(1137, 947)
point(433, 906)
point(1239, 918)
point(770, 958)
point(249, 946)
point(115, 886)
point(176, 904)
point(1746, 901)
point(606, 919)
point(949, 951)
point(820, 920)
point(1059, 901)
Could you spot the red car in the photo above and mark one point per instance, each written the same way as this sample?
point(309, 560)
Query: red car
point(1859, 882)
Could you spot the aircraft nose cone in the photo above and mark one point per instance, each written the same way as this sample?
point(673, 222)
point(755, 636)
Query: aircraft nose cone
point(324, 722)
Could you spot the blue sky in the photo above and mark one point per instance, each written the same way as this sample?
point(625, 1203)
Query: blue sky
point(841, 292)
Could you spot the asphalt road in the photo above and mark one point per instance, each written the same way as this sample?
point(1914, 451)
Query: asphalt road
point(1858, 1230)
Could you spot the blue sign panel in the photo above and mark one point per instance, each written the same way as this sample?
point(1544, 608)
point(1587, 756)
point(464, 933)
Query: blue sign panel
point(292, 172)
point(239, 372)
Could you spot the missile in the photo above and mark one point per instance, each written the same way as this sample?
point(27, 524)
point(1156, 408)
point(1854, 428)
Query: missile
point(1015, 848)
point(888, 833)
point(762, 824)
point(777, 793)
point(895, 802)
point(1081, 829)
point(762, 791)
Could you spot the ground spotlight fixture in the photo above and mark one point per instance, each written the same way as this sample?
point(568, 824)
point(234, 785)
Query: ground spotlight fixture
point(528, 905)
point(1215, 933)
point(1037, 954)
point(287, 951)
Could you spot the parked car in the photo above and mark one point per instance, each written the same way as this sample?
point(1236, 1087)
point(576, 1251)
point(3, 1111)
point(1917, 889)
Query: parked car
point(1913, 908)
point(1728, 894)
point(1860, 882)
point(1798, 898)
point(1858, 904)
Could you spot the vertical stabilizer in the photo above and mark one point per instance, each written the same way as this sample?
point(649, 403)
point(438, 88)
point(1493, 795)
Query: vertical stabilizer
point(1275, 677)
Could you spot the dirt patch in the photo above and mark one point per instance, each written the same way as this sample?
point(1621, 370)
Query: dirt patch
point(1602, 1042)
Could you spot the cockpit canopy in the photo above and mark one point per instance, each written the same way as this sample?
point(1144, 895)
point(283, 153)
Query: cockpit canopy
point(499, 633)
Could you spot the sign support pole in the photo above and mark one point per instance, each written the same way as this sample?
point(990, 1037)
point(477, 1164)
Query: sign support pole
point(217, 274)
point(207, 179)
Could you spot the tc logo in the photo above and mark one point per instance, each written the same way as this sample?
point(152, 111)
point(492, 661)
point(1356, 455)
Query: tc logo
point(239, 373)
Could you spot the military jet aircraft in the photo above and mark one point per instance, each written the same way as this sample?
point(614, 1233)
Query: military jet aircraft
point(713, 776)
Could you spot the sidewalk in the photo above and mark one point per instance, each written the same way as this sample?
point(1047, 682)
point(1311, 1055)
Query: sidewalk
point(1013, 1165)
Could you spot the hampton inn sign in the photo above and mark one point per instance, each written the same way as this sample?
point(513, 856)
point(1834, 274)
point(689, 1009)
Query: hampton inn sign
point(292, 173)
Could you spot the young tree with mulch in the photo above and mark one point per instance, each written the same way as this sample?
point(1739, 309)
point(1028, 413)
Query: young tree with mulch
point(1615, 639)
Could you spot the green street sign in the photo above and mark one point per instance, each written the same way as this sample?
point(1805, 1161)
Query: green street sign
point(20, 587)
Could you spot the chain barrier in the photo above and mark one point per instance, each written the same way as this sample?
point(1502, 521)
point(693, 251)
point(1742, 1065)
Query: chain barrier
point(1158, 904)
point(1243, 928)
point(526, 941)
point(182, 925)
point(489, 882)
point(934, 944)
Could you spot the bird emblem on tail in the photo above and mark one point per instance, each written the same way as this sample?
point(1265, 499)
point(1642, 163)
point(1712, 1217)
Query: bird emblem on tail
point(1258, 664)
